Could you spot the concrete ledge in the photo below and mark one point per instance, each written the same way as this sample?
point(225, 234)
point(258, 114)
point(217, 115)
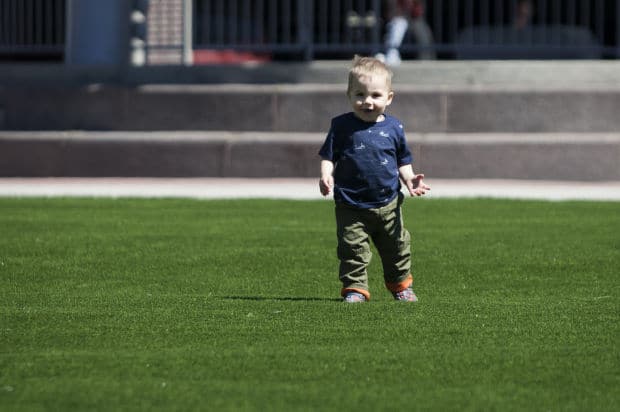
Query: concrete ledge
point(577, 157)
point(295, 188)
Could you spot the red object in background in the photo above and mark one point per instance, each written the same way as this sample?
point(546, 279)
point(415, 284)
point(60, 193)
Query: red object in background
point(413, 8)
point(228, 57)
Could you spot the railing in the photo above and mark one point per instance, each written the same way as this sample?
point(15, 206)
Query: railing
point(553, 29)
point(290, 28)
point(32, 28)
point(326, 29)
point(461, 28)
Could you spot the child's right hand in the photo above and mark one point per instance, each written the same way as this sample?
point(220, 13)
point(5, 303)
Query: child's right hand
point(326, 184)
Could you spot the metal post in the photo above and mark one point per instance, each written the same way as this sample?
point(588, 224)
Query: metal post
point(69, 32)
point(188, 16)
point(305, 16)
point(617, 56)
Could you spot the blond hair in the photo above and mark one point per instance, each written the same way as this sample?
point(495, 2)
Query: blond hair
point(368, 66)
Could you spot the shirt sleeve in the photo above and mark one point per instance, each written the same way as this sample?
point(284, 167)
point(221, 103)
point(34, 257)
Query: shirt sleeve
point(327, 150)
point(403, 154)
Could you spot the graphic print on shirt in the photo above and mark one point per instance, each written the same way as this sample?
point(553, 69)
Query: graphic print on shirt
point(374, 148)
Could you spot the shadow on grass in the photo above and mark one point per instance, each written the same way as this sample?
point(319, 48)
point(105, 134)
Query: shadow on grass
point(283, 298)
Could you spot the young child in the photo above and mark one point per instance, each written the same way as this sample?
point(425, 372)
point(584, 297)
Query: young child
point(363, 157)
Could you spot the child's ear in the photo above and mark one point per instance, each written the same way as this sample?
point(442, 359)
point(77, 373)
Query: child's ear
point(389, 98)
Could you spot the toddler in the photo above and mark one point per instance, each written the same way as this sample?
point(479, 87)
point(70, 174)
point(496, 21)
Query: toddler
point(364, 157)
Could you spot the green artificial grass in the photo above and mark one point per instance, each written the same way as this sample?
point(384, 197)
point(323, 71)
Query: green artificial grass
point(233, 305)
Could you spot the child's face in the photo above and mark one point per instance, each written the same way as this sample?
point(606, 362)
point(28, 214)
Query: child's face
point(369, 96)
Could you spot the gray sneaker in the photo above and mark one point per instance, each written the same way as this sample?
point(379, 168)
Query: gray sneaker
point(405, 295)
point(354, 297)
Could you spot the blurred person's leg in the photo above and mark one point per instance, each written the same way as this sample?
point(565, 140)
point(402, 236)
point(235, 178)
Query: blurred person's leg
point(423, 38)
point(396, 30)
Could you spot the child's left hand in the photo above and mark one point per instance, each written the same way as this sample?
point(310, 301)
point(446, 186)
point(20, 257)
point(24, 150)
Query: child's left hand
point(416, 185)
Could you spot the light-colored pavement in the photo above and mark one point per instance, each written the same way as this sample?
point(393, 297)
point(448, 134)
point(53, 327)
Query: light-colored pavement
point(227, 188)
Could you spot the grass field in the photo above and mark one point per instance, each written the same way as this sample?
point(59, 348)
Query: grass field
point(233, 305)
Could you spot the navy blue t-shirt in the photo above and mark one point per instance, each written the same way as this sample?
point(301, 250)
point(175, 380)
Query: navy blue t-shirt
point(366, 158)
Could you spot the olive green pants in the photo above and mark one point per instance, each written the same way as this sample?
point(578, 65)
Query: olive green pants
point(384, 226)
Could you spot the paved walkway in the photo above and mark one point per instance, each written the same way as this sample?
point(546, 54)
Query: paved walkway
point(216, 188)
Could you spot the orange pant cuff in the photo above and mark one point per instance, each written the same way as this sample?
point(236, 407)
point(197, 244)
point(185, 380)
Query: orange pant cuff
point(398, 286)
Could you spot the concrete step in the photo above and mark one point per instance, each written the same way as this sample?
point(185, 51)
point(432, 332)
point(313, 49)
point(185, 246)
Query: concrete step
point(431, 97)
point(438, 73)
point(308, 108)
point(544, 156)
